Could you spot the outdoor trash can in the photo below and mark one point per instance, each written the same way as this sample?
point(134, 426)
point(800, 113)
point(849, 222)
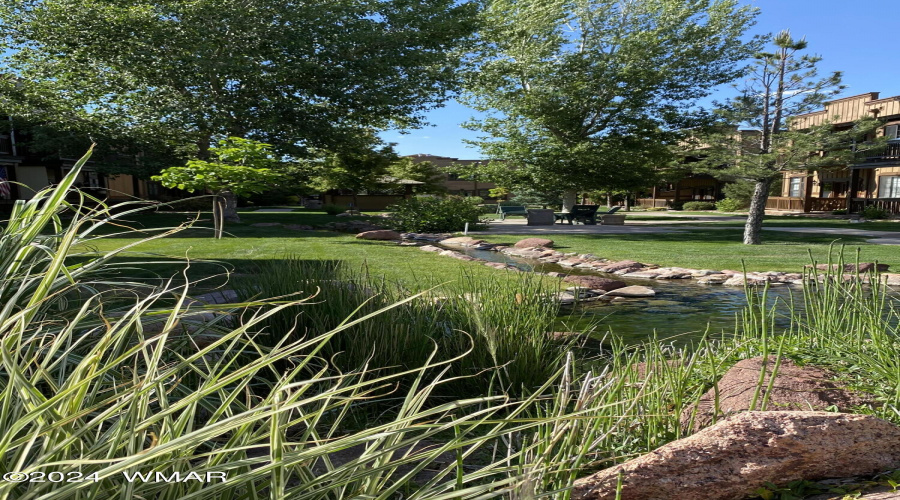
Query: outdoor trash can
point(541, 217)
point(613, 219)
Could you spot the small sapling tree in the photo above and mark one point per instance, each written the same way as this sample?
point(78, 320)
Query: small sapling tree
point(238, 167)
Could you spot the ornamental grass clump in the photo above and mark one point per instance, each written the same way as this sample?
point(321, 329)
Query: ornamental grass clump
point(502, 325)
point(124, 389)
point(103, 379)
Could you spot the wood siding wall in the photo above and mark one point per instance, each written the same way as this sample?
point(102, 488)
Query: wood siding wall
point(850, 109)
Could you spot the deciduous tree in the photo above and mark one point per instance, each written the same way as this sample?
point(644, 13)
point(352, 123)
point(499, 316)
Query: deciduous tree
point(168, 75)
point(426, 172)
point(585, 94)
point(360, 167)
point(239, 167)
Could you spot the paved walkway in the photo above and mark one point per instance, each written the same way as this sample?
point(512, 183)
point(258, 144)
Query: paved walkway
point(519, 226)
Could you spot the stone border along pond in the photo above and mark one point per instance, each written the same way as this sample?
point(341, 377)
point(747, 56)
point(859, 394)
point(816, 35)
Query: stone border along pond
point(589, 288)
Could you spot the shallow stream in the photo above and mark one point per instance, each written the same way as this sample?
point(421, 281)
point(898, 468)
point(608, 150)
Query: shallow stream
point(682, 309)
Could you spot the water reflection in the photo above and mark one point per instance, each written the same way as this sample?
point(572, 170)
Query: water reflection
point(682, 309)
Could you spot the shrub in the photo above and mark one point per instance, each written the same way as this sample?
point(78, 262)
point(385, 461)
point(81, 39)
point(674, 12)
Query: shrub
point(874, 212)
point(839, 212)
point(332, 209)
point(676, 205)
point(699, 205)
point(730, 205)
point(434, 215)
point(657, 209)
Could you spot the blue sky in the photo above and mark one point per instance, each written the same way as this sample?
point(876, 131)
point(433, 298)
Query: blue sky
point(851, 37)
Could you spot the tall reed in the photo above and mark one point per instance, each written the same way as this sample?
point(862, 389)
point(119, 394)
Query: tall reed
point(505, 325)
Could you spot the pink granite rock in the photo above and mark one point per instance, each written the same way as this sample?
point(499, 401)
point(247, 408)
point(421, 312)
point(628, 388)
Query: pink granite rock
point(731, 459)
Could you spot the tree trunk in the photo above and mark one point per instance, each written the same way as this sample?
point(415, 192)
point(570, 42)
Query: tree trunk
point(218, 222)
point(229, 212)
point(608, 201)
point(757, 212)
point(355, 202)
point(570, 198)
point(627, 202)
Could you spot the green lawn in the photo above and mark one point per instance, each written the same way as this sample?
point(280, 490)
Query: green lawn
point(247, 245)
point(716, 248)
point(713, 248)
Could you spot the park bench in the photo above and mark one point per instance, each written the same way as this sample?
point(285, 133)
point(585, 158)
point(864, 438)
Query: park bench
point(504, 210)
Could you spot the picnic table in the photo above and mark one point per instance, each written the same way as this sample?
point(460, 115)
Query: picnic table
point(586, 214)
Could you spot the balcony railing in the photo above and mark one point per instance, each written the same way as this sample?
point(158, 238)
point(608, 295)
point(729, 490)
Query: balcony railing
point(891, 205)
point(5, 145)
point(885, 152)
point(784, 203)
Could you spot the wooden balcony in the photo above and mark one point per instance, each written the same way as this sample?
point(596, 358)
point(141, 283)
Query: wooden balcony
point(884, 153)
point(891, 205)
point(784, 203)
point(827, 204)
point(653, 202)
point(792, 204)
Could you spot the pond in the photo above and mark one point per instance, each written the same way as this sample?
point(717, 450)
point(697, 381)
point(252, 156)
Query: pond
point(682, 310)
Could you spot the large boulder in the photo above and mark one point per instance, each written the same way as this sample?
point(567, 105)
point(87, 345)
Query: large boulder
point(621, 265)
point(731, 459)
point(381, 234)
point(594, 282)
point(794, 388)
point(463, 241)
point(534, 242)
point(633, 292)
point(714, 279)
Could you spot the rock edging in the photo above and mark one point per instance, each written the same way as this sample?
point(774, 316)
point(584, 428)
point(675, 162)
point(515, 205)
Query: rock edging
point(634, 269)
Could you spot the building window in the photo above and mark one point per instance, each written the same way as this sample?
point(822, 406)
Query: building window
point(796, 187)
point(892, 131)
point(889, 186)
